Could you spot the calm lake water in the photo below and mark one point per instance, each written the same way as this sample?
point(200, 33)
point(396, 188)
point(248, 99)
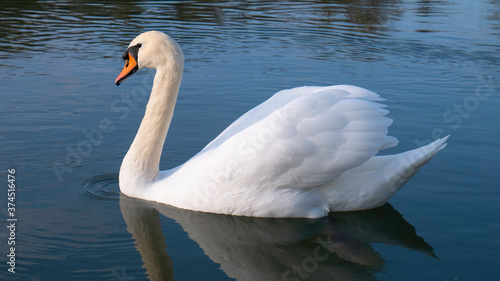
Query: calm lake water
point(436, 62)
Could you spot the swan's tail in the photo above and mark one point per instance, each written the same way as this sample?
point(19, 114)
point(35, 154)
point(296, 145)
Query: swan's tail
point(403, 166)
point(372, 184)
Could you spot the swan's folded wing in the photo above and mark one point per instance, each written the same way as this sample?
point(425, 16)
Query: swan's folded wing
point(302, 138)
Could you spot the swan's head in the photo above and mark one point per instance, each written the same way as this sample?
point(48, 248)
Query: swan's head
point(152, 49)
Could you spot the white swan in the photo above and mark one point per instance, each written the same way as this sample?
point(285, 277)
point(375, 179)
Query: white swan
point(302, 153)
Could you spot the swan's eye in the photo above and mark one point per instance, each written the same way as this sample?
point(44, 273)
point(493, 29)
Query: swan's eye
point(132, 51)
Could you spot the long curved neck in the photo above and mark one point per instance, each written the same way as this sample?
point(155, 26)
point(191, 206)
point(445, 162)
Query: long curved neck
point(140, 166)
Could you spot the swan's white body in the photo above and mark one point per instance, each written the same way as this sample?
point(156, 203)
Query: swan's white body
point(302, 153)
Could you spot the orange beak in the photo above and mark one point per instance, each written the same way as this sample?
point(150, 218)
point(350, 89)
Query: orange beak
point(129, 69)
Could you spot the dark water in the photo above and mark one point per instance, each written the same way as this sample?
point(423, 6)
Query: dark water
point(66, 126)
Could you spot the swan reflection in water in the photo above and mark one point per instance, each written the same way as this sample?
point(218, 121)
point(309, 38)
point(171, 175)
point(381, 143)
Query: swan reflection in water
point(337, 247)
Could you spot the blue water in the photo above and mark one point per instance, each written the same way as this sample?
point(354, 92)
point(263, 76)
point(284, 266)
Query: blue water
point(66, 127)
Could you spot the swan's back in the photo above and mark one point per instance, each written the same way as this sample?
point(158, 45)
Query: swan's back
point(305, 136)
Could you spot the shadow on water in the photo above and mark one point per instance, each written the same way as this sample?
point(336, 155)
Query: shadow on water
point(338, 247)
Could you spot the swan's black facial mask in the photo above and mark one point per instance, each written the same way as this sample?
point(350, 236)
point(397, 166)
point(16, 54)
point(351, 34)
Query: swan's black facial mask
point(131, 65)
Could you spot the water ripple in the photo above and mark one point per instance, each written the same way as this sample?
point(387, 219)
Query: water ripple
point(100, 187)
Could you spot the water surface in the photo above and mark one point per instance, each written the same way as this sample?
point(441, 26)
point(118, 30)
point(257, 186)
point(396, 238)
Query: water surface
point(66, 126)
